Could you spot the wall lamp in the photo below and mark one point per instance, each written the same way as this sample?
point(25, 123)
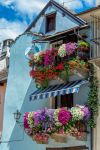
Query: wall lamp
point(17, 116)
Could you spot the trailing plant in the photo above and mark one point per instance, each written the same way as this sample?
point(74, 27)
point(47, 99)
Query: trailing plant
point(93, 102)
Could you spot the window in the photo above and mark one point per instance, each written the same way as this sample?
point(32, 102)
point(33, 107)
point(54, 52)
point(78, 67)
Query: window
point(64, 101)
point(50, 22)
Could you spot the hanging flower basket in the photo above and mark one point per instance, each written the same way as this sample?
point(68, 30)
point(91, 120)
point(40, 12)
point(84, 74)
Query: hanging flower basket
point(83, 46)
point(61, 138)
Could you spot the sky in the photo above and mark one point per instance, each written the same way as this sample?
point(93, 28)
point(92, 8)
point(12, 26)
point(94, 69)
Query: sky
point(16, 15)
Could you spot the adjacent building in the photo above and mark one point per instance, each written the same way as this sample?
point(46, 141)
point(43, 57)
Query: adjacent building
point(92, 16)
point(4, 65)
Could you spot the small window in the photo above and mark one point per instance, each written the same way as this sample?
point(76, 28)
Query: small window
point(50, 22)
point(64, 101)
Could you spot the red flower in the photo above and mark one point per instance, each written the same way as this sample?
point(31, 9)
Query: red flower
point(60, 66)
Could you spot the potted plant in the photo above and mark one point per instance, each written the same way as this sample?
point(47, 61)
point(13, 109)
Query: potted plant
point(83, 46)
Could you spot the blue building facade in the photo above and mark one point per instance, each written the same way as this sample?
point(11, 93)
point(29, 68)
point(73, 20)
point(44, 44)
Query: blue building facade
point(20, 86)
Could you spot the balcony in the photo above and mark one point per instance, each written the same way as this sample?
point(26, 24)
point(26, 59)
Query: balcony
point(95, 52)
point(3, 67)
point(95, 40)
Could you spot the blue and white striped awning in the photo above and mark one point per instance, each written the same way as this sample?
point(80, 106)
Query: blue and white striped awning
point(56, 90)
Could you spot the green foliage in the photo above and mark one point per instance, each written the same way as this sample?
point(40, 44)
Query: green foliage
point(93, 102)
point(82, 43)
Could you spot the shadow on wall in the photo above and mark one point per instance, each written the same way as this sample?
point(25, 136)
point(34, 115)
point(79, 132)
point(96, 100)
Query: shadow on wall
point(20, 141)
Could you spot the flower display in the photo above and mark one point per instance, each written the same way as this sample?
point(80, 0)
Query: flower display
point(56, 112)
point(83, 46)
point(60, 66)
point(26, 125)
point(30, 119)
point(70, 48)
point(43, 123)
point(64, 116)
point(77, 113)
point(48, 59)
point(53, 64)
point(87, 113)
point(62, 51)
point(41, 138)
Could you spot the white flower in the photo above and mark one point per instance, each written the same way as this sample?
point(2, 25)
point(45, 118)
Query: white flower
point(62, 50)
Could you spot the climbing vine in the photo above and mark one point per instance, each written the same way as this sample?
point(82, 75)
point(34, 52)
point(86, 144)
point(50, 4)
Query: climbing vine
point(93, 102)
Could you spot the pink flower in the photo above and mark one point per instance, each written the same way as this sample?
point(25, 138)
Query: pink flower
point(26, 125)
point(64, 116)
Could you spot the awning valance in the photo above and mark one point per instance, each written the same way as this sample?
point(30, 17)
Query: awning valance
point(56, 90)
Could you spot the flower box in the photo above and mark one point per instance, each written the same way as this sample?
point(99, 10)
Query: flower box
point(82, 136)
point(78, 74)
point(56, 123)
point(56, 81)
point(61, 138)
point(54, 66)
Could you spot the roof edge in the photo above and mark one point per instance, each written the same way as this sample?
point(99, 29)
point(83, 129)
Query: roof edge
point(81, 21)
point(89, 10)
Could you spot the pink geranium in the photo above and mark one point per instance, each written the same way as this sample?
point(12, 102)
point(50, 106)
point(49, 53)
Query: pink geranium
point(26, 125)
point(64, 116)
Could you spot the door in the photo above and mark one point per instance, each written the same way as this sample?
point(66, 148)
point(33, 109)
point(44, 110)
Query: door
point(70, 148)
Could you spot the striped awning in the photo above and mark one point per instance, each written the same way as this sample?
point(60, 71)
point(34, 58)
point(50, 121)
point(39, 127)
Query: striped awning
point(56, 90)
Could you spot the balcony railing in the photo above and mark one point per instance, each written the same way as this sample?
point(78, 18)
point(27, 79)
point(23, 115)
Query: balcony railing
point(95, 37)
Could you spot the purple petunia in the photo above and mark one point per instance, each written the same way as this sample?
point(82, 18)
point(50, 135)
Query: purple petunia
point(87, 113)
point(70, 48)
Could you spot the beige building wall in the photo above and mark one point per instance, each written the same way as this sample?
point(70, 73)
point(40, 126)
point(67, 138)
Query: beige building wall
point(87, 16)
point(97, 2)
point(97, 130)
point(2, 95)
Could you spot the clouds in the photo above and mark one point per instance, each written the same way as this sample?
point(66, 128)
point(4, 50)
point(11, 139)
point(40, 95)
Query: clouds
point(24, 11)
point(30, 7)
point(25, 6)
point(11, 29)
point(78, 4)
